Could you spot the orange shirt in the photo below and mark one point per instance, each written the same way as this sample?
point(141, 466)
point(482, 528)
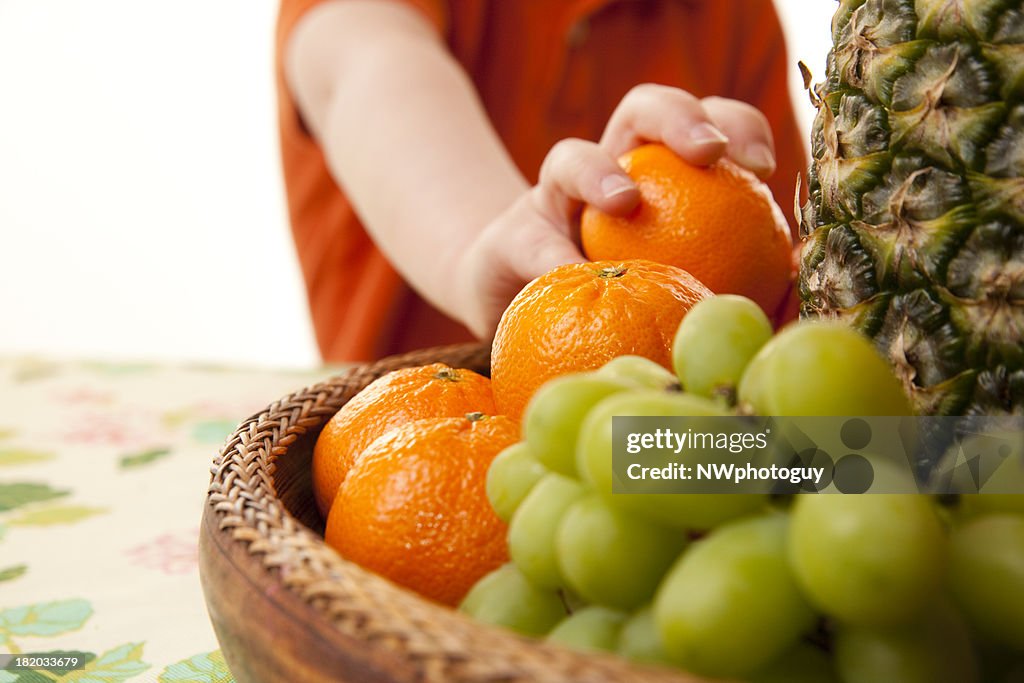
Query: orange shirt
point(545, 70)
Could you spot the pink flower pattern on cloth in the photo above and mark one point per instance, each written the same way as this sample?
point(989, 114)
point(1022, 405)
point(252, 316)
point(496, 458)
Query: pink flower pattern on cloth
point(170, 553)
point(103, 475)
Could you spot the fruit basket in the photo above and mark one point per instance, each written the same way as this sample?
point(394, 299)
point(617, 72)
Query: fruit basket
point(285, 606)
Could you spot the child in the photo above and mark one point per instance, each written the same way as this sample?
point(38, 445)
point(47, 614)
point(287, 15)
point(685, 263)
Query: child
point(435, 153)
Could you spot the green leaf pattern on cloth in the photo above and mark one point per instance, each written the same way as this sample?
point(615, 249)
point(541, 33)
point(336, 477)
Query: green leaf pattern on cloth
point(55, 618)
point(121, 663)
point(118, 368)
point(103, 470)
point(143, 458)
point(213, 431)
point(12, 572)
point(16, 495)
point(55, 514)
point(118, 664)
point(208, 667)
point(22, 456)
point(44, 619)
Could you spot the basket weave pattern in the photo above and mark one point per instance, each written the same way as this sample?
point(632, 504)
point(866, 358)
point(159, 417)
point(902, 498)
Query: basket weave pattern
point(259, 499)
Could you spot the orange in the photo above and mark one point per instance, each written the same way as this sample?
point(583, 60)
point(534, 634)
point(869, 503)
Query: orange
point(579, 316)
point(398, 397)
point(719, 223)
point(414, 507)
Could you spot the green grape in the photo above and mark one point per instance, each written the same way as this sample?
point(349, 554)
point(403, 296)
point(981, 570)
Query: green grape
point(511, 477)
point(821, 368)
point(730, 605)
point(506, 598)
point(714, 343)
point(532, 531)
point(1002, 469)
point(986, 576)
point(591, 628)
point(613, 558)
point(935, 648)
point(552, 419)
point(888, 475)
point(685, 510)
point(639, 640)
point(994, 503)
point(643, 372)
point(867, 558)
point(803, 663)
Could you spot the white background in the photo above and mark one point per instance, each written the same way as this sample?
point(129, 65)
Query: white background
point(141, 208)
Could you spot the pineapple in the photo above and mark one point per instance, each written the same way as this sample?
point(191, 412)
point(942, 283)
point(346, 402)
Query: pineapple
point(914, 226)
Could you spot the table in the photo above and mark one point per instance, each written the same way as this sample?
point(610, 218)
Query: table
point(103, 474)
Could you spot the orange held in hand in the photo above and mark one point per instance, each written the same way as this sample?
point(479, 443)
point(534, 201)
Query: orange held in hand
point(414, 507)
point(398, 397)
point(579, 316)
point(719, 223)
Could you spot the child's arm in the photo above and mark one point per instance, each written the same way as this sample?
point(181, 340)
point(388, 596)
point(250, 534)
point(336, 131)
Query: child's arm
point(404, 134)
point(408, 140)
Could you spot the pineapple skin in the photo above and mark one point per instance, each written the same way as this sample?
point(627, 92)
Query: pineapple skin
point(913, 231)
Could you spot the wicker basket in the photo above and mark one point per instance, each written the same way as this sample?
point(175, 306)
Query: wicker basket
point(286, 607)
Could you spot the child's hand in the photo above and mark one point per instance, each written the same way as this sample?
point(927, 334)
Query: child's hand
point(539, 230)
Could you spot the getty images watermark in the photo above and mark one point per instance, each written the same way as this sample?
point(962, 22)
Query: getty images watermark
point(938, 455)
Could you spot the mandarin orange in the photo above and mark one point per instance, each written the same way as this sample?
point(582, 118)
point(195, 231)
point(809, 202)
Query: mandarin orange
point(579, 316)
point(398, 397)
point(719, 223)
point(414, 507)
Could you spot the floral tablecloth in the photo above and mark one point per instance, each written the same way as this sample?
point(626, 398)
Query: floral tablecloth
point(103, 474)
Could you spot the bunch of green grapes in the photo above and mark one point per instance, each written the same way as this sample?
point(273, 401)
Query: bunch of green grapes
point(809, 588)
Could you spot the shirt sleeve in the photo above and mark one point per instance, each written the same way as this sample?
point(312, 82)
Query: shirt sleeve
point(289, 14)
point(290, 11)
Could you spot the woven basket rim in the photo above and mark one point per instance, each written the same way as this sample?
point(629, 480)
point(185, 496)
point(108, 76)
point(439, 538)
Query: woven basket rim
point(437, 643)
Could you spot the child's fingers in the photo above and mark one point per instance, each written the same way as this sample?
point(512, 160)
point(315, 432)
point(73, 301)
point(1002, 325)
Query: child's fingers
point(750, 136)
point(580, 171)
point(658, 113)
